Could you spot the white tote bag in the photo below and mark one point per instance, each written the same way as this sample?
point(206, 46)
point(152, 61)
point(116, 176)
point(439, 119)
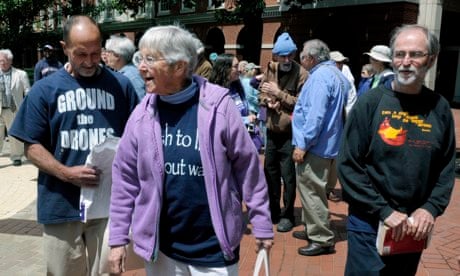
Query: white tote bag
point(262, 258)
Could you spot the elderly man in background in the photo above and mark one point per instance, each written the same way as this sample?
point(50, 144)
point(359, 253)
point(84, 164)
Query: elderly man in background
point(120, 51)
point(380, 59)
point(14, 85)
point(317, 127)
point(279, 87)
point(203, 66)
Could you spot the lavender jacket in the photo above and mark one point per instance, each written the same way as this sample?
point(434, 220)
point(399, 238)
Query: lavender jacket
point(231, 166)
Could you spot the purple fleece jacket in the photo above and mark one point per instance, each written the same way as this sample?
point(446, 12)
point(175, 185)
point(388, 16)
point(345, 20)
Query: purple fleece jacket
point(231, 166)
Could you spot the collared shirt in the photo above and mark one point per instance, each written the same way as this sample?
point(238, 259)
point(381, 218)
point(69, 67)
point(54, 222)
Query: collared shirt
point(318, 116)
point(131, 72)
point(5, 82)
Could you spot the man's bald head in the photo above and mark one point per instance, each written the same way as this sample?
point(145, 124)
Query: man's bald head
point(82, 45)
point(81, 23)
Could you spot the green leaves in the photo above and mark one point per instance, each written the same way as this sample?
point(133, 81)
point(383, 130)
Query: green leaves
point(244, 9)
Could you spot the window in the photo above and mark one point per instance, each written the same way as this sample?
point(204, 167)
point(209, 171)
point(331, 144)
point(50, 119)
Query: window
point(212, 7)
point(184, 9)
point(164, 7)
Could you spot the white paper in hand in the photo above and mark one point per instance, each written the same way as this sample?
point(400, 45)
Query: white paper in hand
point(95, 202)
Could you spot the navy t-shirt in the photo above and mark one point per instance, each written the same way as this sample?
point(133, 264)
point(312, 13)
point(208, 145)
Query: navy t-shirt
point(69, 117)
point(186, 231)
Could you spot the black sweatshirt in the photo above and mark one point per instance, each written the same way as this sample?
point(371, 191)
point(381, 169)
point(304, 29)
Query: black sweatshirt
point(397, 153)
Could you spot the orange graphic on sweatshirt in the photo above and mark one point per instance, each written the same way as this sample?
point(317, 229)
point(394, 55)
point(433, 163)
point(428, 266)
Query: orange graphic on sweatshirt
point(390, 135)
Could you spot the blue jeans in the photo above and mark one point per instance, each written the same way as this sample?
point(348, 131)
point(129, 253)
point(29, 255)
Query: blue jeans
point(363, 258)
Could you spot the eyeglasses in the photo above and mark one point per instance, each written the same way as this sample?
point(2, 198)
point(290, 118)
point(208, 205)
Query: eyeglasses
point(149, 60)
point(109, 52)
point(303, 56)
point(413, 55)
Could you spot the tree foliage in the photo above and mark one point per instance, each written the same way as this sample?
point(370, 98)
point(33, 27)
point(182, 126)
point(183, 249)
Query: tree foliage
point(73, 7)
point(245, 10)
point(16, 20)
point(17, 17)
point(297, 4)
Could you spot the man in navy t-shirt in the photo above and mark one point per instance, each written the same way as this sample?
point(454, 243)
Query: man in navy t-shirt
point(48, 65)
point(62, 118)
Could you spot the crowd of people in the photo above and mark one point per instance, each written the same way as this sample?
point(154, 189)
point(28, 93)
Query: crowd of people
point(192, 132)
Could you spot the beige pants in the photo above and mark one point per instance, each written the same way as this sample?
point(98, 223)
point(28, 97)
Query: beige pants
point(16, 147)
point(313, 176)
point(74, 248)
point(166, 266)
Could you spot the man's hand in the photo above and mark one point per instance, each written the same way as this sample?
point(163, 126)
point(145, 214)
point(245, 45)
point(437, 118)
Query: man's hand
point(117, 259)
point(81, 176)
point(298, 155)
point(270, 88)
point(422, 223)
point(264, 243)
point(273, 105)
point(397, 221)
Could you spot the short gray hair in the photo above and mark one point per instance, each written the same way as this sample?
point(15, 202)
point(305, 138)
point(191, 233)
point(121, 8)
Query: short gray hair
point(317, 49)
point(7, 53)
point(121, 46)
point(433, 45)
point(173, 43)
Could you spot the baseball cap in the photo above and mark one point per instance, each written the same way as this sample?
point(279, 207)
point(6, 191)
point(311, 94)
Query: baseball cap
point(380, 52)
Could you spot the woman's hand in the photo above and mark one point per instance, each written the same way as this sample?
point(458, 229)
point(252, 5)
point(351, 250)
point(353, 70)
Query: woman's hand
point(117, 259)
point(264, 243)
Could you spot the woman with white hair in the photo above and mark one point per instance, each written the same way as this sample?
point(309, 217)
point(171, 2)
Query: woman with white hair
point(183, 167)
point(119, 53)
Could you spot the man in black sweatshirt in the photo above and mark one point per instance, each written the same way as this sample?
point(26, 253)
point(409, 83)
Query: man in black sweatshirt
point(397, 158)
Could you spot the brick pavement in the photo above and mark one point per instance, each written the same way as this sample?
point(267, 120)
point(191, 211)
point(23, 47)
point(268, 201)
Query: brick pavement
point(21, 249)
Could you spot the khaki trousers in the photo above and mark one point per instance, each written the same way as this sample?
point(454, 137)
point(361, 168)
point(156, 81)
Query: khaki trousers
point(313, 176)
point(16, 146)
point(74, 248)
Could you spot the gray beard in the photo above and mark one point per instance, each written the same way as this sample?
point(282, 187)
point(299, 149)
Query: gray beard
point(285, 67)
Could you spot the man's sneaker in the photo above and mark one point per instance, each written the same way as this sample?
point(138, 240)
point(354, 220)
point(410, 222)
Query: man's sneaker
point(285, 225)
point(17, 163)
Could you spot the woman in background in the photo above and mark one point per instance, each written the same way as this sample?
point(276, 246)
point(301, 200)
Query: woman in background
point(225, 73)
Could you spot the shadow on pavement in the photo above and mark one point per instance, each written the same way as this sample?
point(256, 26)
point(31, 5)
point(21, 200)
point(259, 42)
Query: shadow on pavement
point(20, 227)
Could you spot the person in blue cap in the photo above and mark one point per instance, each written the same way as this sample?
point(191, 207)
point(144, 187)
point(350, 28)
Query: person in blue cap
point(279, 87)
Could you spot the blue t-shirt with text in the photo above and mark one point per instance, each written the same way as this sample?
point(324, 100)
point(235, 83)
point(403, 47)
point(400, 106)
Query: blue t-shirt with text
point(186, 231)
point(69, 117)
